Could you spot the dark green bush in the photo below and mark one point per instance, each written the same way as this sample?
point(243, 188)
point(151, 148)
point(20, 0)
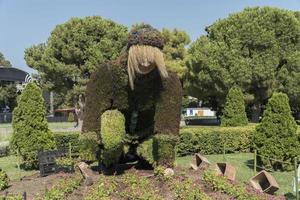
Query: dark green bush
point(112, 136)
point(234, 111)
point(3, 180)
point(158, 150)
point(210, 140)
point(276, 136)
point(30, 127)
point(88, 146)
point(62, 140)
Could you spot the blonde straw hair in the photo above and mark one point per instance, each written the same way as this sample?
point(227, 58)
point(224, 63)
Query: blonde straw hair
point(138, 55)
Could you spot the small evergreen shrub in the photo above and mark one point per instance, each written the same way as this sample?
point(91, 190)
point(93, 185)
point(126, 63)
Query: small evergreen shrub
point(3, 180)
point(234, 112)
point(88, 146)
point(145, 151)
point(211, 140)
point(112, 136)
point(71, 117)
point(30, 128)
point(276, 135)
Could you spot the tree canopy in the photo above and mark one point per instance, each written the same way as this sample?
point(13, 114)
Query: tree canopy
point(175, 50)
point(72, 52)
point(257, 49)
point(4, 62)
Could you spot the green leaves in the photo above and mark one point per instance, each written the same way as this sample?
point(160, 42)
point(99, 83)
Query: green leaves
point(234, 113)
point(3, 61)
point(30, 127)
point(248, 49)
point(276, 136)
point(73, 51)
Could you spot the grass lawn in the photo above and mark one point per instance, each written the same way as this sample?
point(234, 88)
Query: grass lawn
point(245, 172)
point(9, 165)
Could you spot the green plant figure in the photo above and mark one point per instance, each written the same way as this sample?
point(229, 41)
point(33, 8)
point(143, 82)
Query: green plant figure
point(234, 112)
point(138, 102)
point(30, 128)
point(276, 136)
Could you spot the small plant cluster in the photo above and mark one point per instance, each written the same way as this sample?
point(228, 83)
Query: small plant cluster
point(212, 140)
point(187, 190)
point(3, 180)
point(62, 187)
point(128, 186)
point(239, 192)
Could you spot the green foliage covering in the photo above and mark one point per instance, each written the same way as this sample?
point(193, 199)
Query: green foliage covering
point(8, 96)
point(168, 106)
point(88, 146)
point(144, 34)
point(164, 149)
point(158, 150)
point(175, 51)
point(74, 49)
point(256, 49)
point(62, 140)
point(112, 136)
point(234, 112)
point(276, 135)
point(211, 140)
point(107, 88)
point(30, 128)
point(3, 180)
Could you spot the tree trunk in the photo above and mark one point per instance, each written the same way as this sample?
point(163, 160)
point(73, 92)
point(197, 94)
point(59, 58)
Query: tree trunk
point(256, 112)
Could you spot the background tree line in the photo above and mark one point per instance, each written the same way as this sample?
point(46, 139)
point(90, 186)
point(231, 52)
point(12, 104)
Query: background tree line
point(257, 50)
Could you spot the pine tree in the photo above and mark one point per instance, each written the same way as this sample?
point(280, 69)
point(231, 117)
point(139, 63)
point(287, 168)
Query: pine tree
point(30, 128)
point(276, 136)
point(234, 112)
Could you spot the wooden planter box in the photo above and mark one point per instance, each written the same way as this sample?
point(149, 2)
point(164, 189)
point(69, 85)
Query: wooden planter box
point(227, 170)
point(199, 162)
point(264, 182)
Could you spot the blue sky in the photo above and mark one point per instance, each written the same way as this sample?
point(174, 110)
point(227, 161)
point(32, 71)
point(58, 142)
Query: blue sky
point(28, 22)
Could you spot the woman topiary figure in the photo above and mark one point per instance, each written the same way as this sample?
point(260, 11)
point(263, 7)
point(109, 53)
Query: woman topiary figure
point(138, 85)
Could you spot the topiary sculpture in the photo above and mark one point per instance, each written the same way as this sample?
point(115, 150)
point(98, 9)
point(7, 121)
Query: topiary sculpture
point(135, 101)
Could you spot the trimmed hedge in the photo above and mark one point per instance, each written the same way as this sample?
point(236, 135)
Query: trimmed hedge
point(211, 140)
point(89, 146)
point(62, 140)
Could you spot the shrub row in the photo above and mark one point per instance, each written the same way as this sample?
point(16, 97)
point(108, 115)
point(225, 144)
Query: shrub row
point(212, 140)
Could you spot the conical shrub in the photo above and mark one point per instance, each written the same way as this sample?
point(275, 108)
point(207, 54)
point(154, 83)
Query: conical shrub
point(275, 138)
point(30, 127)
point(234, 113)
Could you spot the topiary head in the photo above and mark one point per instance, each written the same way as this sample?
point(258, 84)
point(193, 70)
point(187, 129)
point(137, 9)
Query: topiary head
point(144, 52)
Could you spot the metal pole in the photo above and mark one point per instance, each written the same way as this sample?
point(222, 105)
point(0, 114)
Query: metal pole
point(296, 177)
point(224, 151)
point(70, 150)
point(255, 162)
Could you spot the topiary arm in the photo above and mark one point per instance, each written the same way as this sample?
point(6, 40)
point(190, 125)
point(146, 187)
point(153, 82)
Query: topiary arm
point(168, 107)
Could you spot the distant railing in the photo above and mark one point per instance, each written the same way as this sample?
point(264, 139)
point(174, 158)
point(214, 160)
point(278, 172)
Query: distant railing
point(7, 118)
